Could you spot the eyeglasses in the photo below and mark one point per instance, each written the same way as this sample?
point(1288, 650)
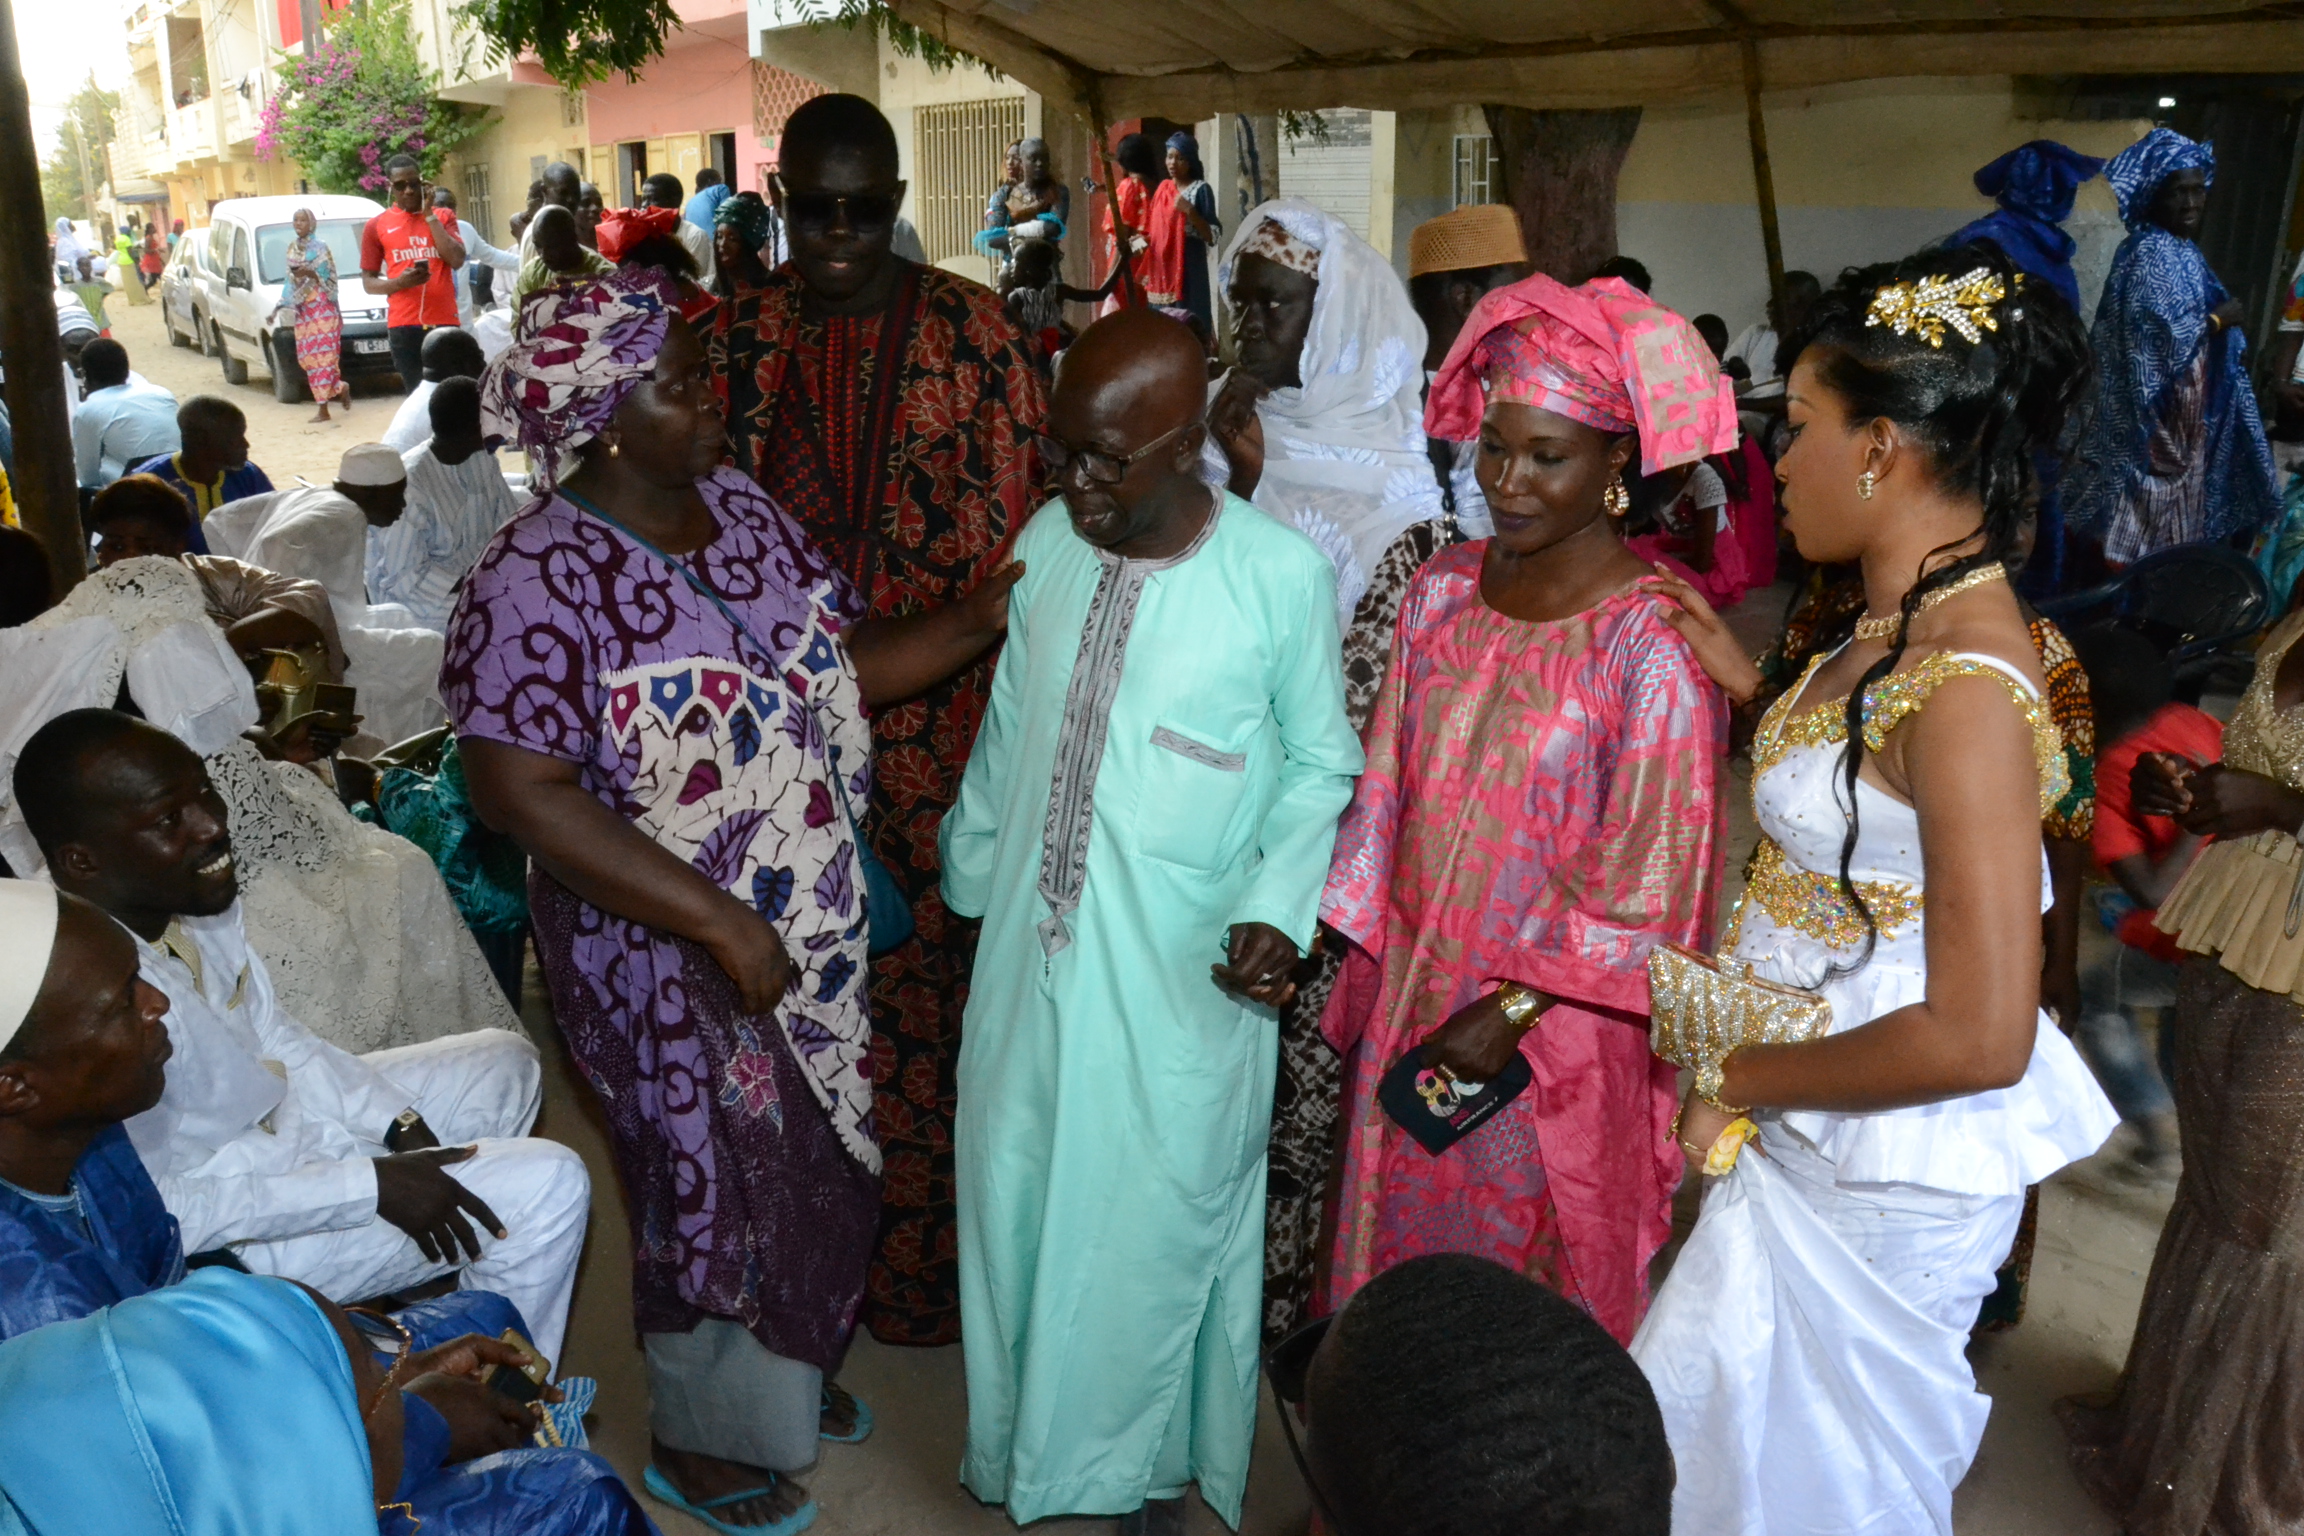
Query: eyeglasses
point(822, 210)
point(1285, 1366)
point(1101, 468)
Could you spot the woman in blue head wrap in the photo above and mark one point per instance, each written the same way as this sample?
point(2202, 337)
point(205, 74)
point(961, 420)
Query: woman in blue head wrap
point(241, 1405)
point(225, 1404)
point(2034, 185)
point(2174, 452)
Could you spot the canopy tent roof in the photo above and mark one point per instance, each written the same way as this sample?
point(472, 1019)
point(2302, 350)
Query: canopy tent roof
point(1190, 59)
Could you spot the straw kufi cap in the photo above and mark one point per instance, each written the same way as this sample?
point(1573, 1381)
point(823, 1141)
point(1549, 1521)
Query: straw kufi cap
point(1473, 236)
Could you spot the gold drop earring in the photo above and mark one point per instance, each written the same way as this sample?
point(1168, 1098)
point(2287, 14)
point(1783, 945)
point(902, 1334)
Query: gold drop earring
point(1616, 500)
point(1864, 484)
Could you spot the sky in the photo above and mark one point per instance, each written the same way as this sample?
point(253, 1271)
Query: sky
point(59, 41)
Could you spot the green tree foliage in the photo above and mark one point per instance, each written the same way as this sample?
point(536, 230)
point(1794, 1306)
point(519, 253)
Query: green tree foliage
point(60, 191)
point(362, 97)
point(579, 42)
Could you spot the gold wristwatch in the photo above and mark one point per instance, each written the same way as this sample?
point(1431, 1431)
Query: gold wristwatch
point(1519, 1005)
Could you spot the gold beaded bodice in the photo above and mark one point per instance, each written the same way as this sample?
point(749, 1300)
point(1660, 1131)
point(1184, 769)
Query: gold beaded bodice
point(1810, 901)
point(2262, 737)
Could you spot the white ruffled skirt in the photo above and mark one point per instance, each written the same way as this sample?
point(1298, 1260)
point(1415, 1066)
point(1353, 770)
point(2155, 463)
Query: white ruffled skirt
point(1809, 1349)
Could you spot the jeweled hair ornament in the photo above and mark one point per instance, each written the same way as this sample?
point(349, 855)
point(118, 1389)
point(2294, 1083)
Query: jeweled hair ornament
point(1925, 308)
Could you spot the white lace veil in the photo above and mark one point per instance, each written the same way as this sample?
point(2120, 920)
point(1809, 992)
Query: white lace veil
point(1344, 455)
point(362, 941)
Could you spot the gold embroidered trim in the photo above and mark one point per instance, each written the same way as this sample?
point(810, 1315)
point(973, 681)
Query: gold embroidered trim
point(1888, 702)
point(1810, 903)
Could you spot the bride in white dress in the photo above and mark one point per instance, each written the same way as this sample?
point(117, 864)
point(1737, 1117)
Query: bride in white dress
point(1808, 1347)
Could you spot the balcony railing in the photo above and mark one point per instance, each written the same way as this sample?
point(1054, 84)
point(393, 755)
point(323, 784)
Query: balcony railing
point(191, 133)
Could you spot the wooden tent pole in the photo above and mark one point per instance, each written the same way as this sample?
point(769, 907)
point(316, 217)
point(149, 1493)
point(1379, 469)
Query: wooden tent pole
point(1763, 178)
point(1102, 132)
point(46, 484)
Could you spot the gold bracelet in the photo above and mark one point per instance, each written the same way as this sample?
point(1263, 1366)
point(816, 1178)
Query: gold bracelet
point(1708, 1082)
point(1519, 1005)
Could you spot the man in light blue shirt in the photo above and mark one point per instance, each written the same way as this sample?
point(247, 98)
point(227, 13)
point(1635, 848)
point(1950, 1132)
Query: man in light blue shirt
point(475, 249)
point(124, 419)
point(711, 192)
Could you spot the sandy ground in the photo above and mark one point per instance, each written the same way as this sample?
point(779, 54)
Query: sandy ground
point(283, 439)
point(2097, 1227)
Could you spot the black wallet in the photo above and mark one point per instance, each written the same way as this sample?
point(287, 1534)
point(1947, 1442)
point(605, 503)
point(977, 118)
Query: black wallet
point(1437, 1108)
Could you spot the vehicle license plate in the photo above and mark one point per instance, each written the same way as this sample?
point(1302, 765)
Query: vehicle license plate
point(371, 344)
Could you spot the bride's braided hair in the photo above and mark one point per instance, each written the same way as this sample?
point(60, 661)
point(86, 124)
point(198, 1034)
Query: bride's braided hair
point(1983, 411)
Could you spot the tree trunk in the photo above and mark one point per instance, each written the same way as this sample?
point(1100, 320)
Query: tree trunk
point(1560, 177)
point(46, 484)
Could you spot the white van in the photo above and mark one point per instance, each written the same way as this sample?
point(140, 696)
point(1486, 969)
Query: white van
point(246, 271)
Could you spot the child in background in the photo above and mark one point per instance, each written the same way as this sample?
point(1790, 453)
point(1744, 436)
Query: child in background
point(1689, 527)
point(2131, 684)
point(1032, 287)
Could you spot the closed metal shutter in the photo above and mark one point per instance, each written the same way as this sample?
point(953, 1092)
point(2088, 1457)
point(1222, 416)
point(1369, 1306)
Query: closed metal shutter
point(958, 152)
point(1331, 170)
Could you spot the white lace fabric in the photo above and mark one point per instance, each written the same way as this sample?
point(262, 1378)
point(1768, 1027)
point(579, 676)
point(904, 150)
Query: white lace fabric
point(363, 943)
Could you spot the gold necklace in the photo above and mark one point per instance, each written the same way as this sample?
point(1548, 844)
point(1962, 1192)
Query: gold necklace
point(1885, 629)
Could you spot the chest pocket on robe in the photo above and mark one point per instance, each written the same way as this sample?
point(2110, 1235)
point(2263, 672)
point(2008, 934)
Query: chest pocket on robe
point(1189, 798)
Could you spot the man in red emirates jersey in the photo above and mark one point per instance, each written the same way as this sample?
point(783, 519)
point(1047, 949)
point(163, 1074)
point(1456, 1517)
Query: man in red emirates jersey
point(410, 254)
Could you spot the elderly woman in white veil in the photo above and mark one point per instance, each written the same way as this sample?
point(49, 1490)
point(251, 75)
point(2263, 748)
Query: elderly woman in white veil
point(1321, 424)
point(362, 940)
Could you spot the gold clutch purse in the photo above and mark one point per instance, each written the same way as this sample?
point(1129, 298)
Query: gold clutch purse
point(1701, 1008)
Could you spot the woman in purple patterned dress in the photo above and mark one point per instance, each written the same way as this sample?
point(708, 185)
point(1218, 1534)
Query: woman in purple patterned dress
point(659, 689)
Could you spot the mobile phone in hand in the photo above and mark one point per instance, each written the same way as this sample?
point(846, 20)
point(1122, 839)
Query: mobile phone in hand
point(422, 269)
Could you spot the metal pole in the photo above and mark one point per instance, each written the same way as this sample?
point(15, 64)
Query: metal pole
point(308, 16)
point(45, 483)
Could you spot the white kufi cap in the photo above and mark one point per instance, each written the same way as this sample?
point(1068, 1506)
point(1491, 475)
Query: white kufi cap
point(28, 911)
point(371, 464)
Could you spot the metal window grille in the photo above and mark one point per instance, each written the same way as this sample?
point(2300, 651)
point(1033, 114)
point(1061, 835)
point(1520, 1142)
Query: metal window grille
point(957, 153)
point(1475, 169)
point(479, 206)
point(776, 95)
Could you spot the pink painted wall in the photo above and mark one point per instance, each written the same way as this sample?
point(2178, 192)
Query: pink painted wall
point(702, 84)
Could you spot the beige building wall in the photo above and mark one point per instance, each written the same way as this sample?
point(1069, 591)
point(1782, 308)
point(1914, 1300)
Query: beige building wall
point(1864, 173)
point(533, 123)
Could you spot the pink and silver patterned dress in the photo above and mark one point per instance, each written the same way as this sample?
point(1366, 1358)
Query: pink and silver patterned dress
point(1541, 805)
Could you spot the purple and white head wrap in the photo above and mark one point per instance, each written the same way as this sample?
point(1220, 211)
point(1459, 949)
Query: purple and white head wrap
point(584, 347)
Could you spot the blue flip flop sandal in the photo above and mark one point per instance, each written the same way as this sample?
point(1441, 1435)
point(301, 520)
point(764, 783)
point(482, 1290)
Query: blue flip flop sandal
point(862, 1429)
point(660, 1488)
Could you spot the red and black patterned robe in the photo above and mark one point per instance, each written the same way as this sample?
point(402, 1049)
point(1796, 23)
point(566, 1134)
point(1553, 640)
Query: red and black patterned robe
point(912, 482)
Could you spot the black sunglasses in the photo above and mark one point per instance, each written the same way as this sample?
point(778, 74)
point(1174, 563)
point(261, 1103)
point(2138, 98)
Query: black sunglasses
point(822, 210)
point(1285, 1366)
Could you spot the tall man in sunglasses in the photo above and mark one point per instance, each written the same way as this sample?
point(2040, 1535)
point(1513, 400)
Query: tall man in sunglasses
point(890, 408)
point(1145, 825)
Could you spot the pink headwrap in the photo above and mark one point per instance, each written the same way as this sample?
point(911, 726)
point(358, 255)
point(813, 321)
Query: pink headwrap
point(1604, 354)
